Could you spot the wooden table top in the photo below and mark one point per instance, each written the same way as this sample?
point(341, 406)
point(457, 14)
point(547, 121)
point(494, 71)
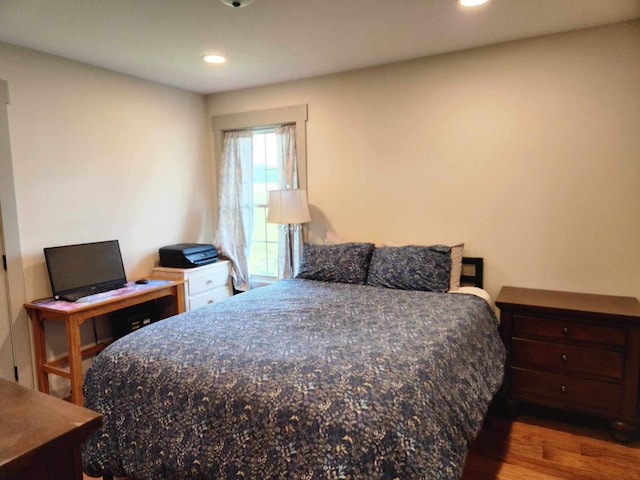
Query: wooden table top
point(33, 424)
point(569, 301)
point(130, 290)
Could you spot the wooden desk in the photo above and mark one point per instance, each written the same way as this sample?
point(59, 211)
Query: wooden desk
point(168, 294)
point(40, 436)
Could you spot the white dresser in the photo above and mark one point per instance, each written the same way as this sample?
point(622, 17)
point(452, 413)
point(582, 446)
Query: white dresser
point(202, 285)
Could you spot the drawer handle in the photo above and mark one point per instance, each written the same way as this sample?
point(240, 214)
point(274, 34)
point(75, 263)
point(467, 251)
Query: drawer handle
point(563, 388)
point(564, 357)
point(565, 331)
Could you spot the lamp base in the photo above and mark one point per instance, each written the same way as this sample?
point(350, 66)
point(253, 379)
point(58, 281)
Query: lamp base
point(289, 229)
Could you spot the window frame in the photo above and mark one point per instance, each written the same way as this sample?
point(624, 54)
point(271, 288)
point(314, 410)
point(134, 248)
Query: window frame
point(260, 120)
point(263, 205)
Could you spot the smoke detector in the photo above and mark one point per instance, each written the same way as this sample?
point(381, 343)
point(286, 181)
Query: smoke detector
point(237, 3)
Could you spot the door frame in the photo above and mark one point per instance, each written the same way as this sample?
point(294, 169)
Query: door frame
point(15, 269)
point(6, 337)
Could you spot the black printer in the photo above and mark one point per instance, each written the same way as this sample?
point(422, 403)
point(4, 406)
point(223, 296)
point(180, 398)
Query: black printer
point(187, 255)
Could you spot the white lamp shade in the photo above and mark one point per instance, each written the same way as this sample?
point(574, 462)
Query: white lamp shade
point(288, 206)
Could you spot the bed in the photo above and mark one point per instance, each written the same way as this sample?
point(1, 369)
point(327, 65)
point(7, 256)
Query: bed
point(309, 378)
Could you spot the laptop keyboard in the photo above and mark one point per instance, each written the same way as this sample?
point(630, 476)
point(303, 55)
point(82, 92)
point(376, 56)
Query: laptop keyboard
point(75, 296)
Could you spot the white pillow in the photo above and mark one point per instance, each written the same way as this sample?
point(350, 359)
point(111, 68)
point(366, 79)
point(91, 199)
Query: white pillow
point(478, 292)
point(456, 266)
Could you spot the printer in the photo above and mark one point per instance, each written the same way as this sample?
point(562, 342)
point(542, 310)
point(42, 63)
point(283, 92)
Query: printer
point(187, 255)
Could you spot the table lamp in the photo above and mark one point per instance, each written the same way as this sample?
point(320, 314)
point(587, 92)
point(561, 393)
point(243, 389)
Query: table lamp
point(288, 208)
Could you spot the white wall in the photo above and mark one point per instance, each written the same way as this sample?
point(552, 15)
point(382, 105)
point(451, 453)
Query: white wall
point(527, 151)
point(97, 156)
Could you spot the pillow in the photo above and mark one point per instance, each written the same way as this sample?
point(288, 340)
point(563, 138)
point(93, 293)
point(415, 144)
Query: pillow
point(343, 263)
point(456, 266)
point(411, 267)
point(457, 252)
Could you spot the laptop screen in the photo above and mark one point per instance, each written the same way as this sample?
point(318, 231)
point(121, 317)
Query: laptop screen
point(84, 266)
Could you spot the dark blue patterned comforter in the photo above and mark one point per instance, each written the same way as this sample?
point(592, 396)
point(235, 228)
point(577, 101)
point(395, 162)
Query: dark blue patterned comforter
point(299, 380)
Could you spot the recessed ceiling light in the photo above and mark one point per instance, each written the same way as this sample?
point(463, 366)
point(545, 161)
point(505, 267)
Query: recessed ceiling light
point(214, 58)
point(471, 3)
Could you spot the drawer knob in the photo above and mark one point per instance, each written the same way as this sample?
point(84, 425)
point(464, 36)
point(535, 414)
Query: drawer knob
point(210, 302)
point(564, 357)
point(565, 331)
point(563, 388)
point(209, 282)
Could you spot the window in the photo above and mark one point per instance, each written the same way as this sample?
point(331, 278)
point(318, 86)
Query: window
point(263, 255)
point(238, 134)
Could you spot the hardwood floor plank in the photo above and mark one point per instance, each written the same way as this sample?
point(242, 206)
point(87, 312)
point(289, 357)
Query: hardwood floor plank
point(622, 453)
point(583, 467)
point(541, 448)
point(483, 468)
point(496, 445)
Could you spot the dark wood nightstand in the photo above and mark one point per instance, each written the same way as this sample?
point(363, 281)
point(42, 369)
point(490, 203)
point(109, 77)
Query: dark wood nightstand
point(573, 351)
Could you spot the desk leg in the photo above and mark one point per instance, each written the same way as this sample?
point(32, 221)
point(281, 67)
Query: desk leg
point(179, 290)
point(75, 358)
point(41, 350)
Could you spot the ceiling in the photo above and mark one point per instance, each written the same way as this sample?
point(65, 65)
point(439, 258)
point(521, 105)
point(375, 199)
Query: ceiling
point(273, 41)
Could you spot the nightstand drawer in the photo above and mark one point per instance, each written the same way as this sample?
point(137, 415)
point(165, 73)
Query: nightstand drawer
point(560, 358)
point(212, 278)
point(564, 390)
point(568, 330)
point(202, 285)
point(210, 296)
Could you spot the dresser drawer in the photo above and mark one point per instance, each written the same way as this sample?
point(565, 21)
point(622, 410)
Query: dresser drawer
point(568, 330)
point(202, 285)
point(209, 279)
point(567, 359)
point(210, 296)
point(564, 390)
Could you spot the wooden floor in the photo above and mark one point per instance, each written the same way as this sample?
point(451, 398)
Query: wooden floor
point(539, 447)
point(534, 447)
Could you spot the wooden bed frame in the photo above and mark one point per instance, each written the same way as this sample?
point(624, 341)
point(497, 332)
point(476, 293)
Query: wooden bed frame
point(476, 265)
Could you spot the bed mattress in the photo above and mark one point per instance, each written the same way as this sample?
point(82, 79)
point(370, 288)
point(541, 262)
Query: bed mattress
point(298, 380)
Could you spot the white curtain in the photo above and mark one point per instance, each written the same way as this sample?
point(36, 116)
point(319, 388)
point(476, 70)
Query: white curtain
point(235, 204)
point(288, 178)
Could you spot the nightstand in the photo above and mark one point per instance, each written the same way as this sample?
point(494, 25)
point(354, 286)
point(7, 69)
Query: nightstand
point(573, 351)
point(202, 285)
